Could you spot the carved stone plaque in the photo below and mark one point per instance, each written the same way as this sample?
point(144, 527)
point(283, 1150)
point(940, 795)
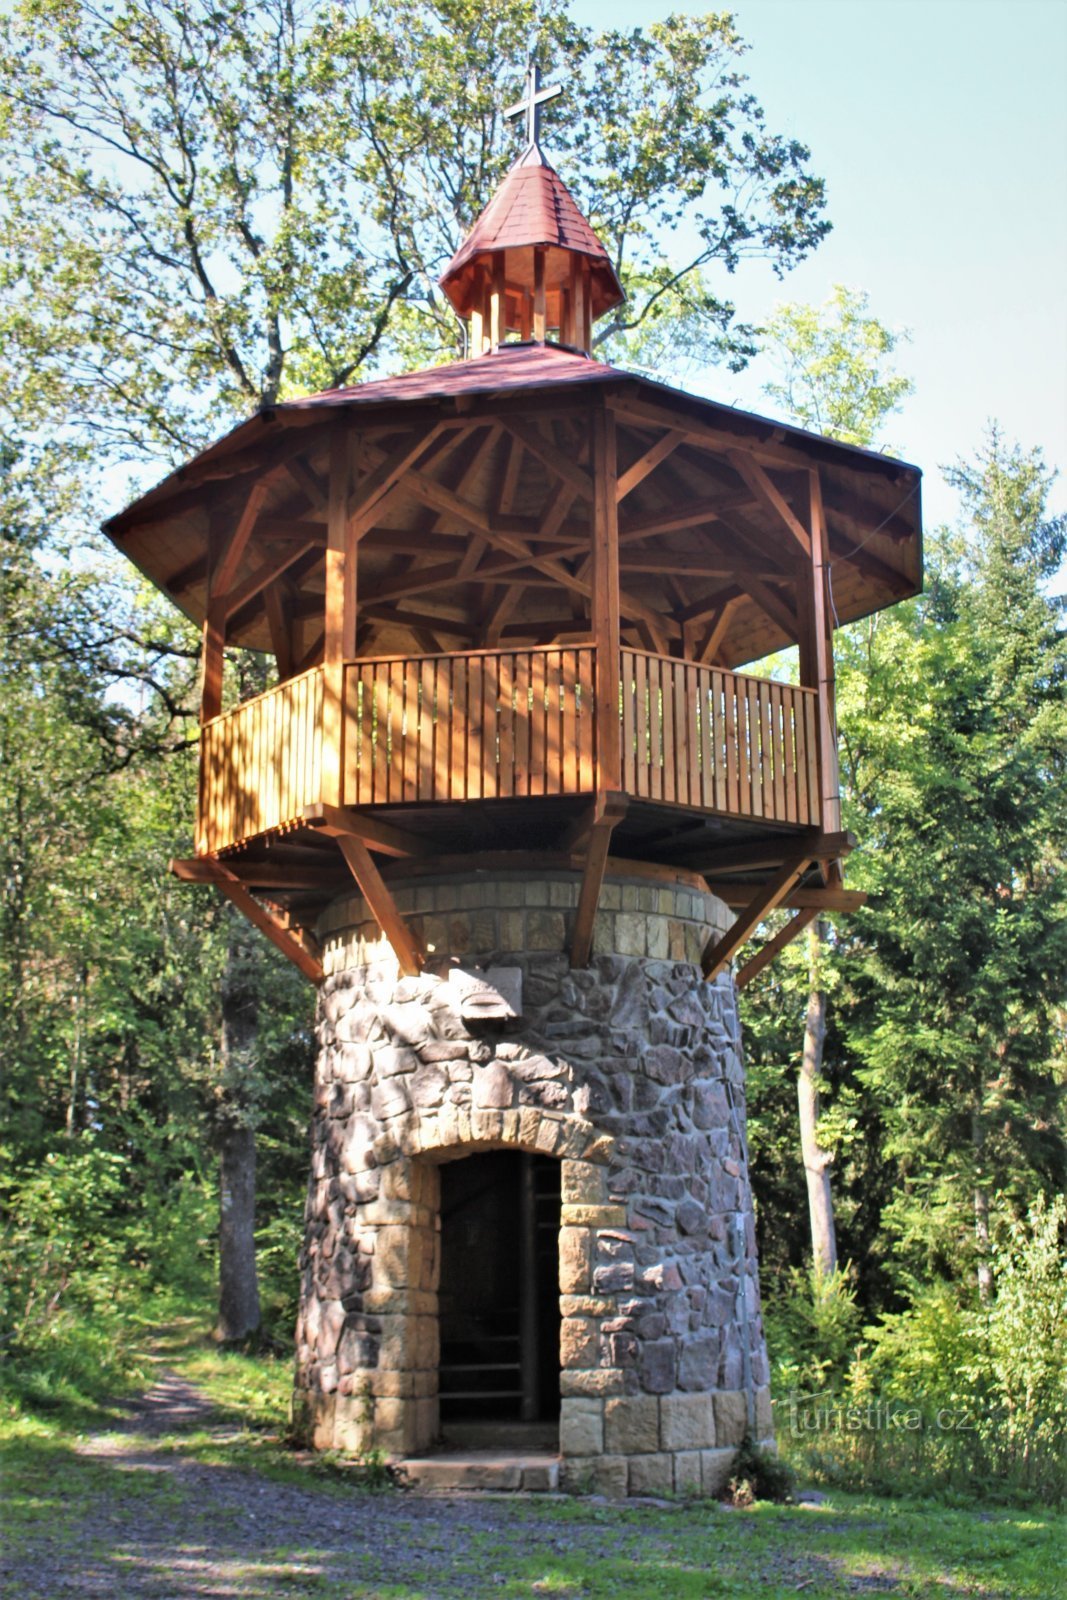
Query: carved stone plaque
point(488, 994)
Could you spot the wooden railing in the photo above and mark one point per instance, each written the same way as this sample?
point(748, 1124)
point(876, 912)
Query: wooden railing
point(485, 725)
point(695, 736)
point(261, 763)
point(496, 724)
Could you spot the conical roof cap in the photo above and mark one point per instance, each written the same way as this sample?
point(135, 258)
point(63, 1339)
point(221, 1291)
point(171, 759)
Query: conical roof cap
point(533, 206)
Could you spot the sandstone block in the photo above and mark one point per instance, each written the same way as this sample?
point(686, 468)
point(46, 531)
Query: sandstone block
point(574, 1260)
point(716, 1470)
point(764, 1414)
point(579, 1343)
point(687, 1474)
point(599, 1216)
point(583, 1183)
point(581, 1427)
point(651, 1475)
point(687, 1422)
point(601, 1381)
point(731, 1416)
point(631, 1424)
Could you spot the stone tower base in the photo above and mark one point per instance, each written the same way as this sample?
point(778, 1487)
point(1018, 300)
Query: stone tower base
point(628, 1073)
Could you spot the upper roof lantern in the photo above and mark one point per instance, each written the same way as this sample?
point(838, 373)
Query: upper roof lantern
point(531, 264)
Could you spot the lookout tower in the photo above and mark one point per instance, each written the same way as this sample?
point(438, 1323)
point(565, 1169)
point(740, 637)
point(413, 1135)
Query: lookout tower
point(513, 807)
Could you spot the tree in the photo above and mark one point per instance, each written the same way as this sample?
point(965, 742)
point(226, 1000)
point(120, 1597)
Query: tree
point(835, 367)
point(837, 379)
point(956, 733)
point(207, 207)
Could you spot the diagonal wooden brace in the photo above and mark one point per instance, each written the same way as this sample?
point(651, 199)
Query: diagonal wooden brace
point(301, 950)
point(763, 958)
point(609, 810)
point(383, 907)
point(719, 953)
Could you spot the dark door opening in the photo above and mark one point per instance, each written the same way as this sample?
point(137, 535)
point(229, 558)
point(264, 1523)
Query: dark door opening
point(499, 1295)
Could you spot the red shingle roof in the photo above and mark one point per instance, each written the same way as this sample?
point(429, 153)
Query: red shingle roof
point(512, 366)
point(533, 206)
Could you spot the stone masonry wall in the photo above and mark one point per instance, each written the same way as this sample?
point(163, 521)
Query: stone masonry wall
point(630, 1073)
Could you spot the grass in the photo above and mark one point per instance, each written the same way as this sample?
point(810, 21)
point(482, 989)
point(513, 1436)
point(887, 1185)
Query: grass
point(226, 1507)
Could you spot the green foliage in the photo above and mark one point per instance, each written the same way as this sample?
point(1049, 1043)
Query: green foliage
point(948, 1396)
point(836, 375)
point(204, 209)
point(760, 1475)
point(812, 1327)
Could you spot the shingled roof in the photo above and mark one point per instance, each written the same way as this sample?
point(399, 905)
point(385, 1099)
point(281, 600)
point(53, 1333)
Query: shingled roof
point(533, 206)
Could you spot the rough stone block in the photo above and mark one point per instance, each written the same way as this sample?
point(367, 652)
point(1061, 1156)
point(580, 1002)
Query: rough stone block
point(493, 1088)
point(651, 1475)
point(581, 1426)
point(631, 1424)
point(731, 1416)
point(687, 1422)
point(655, 1365)
point(698, 1362)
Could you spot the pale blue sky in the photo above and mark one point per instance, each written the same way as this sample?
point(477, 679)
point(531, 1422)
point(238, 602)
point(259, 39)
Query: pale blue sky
point(941, 129)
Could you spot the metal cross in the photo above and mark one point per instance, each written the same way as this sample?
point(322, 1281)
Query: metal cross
point(530, 105)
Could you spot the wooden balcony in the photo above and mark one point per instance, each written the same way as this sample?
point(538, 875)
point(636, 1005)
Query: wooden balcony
point(510, 725)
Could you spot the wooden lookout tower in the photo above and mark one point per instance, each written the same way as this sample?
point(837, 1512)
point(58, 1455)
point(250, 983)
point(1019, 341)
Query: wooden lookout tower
point(507, 601)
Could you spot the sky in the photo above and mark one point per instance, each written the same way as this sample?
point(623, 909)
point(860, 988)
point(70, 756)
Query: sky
point(940, 127)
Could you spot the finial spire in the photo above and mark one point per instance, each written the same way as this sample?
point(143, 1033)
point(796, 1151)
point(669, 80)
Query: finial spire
point(532, 101)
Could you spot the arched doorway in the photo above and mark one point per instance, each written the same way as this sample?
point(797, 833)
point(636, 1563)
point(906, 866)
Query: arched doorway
point(499, 1296)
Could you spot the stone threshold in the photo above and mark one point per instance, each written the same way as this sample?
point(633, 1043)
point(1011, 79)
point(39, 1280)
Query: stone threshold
point(501, 1471)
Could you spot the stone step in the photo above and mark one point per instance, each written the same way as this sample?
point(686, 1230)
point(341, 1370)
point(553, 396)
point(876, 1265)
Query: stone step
point(505, 1471)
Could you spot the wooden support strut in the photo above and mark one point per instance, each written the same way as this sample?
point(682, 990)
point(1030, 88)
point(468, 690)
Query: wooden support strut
point(763, 958)
point(599, 823)
point(301, 951)
point(382, 905)
point(719, 953)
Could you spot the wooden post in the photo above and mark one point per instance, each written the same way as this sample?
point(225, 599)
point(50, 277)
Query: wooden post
point(817, 656)
point(605, 601)
point(334, 621)
point(213, 637)
point(498, 303)
point(540, 309)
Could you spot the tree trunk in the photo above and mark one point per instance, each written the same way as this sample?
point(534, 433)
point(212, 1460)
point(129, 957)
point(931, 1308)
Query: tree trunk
point(238, 1284)
point(236, 1139)
point(816, 1159)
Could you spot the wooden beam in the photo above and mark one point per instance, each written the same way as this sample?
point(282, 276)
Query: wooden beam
point(280, 641)
point(608, 811)
point(228, 559)
point(767, 491)
point(365, 503)
point(264, 574)
point(647, 463)
point(763, 958)
point(737, 893)
point(720, 952)
point(768, 852)
point(540, 309)
point(557, 461)
point(606, 601)
point(337, 821)
point(312, 656)
point(382, 905)
point(302, 952)
point(306, 481)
